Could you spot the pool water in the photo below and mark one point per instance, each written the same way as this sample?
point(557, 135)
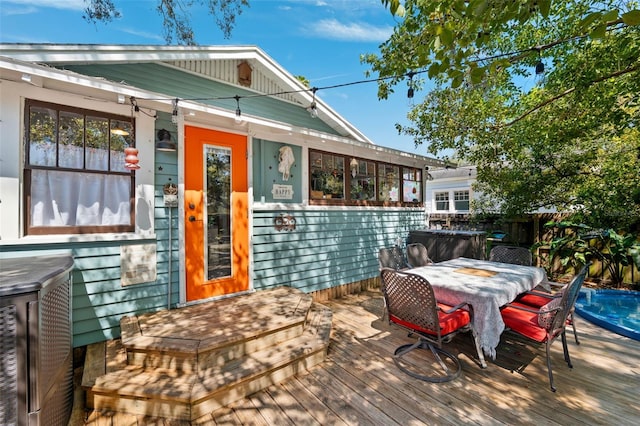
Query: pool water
point(615, 310)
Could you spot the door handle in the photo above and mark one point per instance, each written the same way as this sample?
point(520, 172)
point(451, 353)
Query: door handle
point(192, 218)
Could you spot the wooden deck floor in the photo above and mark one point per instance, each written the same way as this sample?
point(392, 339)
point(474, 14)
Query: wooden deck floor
point(360, 385)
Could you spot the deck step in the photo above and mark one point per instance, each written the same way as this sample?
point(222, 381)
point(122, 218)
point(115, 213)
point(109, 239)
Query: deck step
point(234, 367)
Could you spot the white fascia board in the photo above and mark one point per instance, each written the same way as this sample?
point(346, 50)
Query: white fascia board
point(93, 53)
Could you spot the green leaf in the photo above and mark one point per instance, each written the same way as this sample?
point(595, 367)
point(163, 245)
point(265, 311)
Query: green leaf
point(590, 19)
point(446, 36)
point(434, 70)
point(599, 32)
point(477, 75)
point(456, 82)
point(611, 15)
point(632, 17)
point(545, 7)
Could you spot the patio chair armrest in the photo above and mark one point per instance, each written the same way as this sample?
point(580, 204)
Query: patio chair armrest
point(544, 294)
point(534, 311)
point(454, 308)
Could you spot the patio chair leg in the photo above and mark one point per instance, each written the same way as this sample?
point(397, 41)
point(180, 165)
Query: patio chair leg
point(553, 389)
point(438, 353)
point(573, 324)
point(565, 348)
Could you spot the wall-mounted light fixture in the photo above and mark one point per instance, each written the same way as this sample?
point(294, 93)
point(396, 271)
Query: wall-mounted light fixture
point(164, 142)
point(427, 175)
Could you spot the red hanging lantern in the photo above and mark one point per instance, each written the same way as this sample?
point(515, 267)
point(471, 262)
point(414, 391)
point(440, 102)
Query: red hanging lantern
point(131, 158)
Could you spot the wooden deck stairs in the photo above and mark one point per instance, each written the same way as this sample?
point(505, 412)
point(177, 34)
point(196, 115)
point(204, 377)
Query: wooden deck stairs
point(187, 362)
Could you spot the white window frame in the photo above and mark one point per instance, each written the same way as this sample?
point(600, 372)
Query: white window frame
point(436, 200)
point(456, 200)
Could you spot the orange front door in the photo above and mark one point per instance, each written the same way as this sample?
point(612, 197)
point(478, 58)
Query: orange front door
point(216, 213)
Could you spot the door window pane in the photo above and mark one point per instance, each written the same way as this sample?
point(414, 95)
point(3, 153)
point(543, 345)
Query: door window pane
point(218, 228)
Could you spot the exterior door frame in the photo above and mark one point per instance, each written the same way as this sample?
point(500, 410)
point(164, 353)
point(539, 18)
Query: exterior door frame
point(181, 130)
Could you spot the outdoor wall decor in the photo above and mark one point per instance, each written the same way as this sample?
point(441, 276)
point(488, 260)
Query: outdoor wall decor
point(285, 161)
point(282, 192)
point(285, 222)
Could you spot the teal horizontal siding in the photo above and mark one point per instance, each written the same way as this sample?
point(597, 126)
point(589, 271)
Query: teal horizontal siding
point(328, 248)
point(184, 85)
point(98, 298)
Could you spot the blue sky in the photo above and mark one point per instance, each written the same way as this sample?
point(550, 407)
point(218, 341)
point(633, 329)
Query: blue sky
point(321, 40)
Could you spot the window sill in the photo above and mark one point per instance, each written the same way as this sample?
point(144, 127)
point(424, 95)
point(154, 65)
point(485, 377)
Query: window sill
point(35, 240)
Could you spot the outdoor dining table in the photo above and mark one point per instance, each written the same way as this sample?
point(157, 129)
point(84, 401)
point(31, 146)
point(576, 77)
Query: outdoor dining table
point(486, 286)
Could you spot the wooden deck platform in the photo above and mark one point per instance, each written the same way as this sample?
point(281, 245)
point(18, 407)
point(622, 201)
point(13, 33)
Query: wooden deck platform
point(358, 384)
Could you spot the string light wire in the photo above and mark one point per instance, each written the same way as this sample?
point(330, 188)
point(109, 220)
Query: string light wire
point(514, 55)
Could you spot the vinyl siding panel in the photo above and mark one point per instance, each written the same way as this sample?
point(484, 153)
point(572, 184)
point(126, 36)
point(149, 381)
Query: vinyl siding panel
point(328, 248)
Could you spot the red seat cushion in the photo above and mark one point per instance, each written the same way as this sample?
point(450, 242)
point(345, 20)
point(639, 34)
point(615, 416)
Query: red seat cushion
point(523, 322)
point(448, 322)
point(535, 300)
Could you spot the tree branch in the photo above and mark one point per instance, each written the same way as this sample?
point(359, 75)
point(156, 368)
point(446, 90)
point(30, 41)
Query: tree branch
point(567, 92)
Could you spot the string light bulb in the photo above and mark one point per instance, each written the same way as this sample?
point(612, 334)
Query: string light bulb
point(313, 109)
point(174, 114)
point(238, 112)
point(410, 90)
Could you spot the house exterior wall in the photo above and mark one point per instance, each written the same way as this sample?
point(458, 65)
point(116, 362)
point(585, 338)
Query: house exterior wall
point(330, 245)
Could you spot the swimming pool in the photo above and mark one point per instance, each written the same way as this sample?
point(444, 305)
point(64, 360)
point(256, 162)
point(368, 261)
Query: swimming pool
point(615, 310)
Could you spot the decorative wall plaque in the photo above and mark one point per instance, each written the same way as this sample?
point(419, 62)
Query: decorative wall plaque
point(282, 192)
point(285, 222)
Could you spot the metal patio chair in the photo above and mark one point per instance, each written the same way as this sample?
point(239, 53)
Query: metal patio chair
point(417, 255)
point(392, 257)
point(539, 297)
point(547, 323)
point(511, 254)
point(412, 305)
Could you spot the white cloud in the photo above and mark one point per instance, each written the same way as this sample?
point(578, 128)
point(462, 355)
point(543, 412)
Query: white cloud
point(333, 29)
point(54, 4)
point(143, 34)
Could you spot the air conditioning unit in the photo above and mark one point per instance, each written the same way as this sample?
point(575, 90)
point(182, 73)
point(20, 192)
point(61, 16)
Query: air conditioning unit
point(36, 341)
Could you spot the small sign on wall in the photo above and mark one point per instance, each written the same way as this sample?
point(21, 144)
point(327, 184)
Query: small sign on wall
point(137, 264)
point(282, 192)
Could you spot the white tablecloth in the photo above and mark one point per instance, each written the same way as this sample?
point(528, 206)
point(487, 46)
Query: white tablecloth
point(486, 286)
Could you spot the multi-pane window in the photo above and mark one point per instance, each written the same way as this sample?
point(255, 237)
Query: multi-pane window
point(411, 185)
point(327, 176)
point(363, 180)
point(461, 200)
point(442, 201)
point(75, 175)
point(388, 182)
point(352, 180)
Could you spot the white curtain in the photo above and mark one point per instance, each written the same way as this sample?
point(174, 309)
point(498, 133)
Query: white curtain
point(79, 199)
